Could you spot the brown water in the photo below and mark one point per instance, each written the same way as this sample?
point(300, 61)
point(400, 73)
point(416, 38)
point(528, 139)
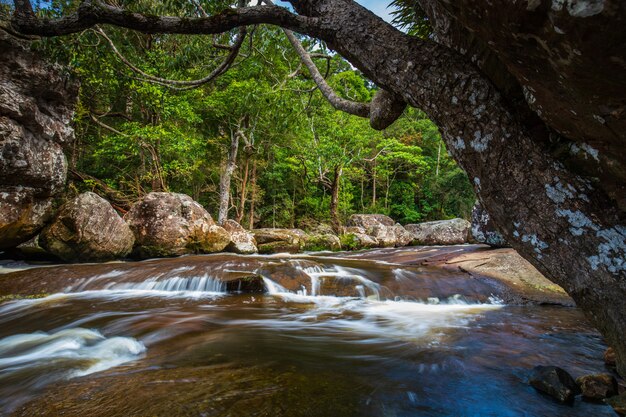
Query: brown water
point(362, 338)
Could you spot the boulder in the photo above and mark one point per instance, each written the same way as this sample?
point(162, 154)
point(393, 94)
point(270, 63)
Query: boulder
point(172, 224)
point(85, 229)
point(390, 236)
point(355, 241)
point(241, 241)
point(368, 221)
point(442, 232)
point(555, 382)
point(483, 229)
point(36, 108)
point(321, 242)
point(597, 387)
point(279, 240)
point(609, 357)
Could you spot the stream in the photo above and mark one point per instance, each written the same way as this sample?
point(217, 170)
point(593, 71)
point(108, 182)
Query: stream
point(361, 334)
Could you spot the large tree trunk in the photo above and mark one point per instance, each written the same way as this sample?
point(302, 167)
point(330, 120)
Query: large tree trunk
point(561, 222)
point(227, 174)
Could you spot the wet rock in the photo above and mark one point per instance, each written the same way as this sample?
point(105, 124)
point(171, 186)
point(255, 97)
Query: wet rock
point(368, 221)
point(443, 232)
point(36, 108)
point(597, 387)
point(609, 357)
point(279, 240)
point(87, 228)
point(618, 403)
point(555, 382)
point(321, 242)
point(483, 229)
point(241, 241)
point(172, 224)
point(246, 284)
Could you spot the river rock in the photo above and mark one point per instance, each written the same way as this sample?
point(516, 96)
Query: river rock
point(483, 229)
point(172, 224)
point(36, 108)
point(324, 241)
point(355, 241)
point(241, 241)
point(442, 232)
point(609, 357)
point(618, 403)
point(390, 236)
point(555, 382)
point(272, 240)
point(597, 387)
point(87, 228)
point(368, 221)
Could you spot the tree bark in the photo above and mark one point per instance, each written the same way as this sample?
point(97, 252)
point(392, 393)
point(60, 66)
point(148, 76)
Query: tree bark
point(334, 199)
point(252, 196)
point(244, 189)
point(225, 178)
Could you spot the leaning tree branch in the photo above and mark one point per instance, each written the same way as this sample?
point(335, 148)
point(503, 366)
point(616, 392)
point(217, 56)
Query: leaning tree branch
point(93, 12)
point(219, 70)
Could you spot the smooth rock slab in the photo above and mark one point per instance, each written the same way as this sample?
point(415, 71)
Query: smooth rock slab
point(86, 229)
point(555, 382)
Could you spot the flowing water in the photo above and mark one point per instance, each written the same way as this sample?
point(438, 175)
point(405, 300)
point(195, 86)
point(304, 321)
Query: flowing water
point(227, 335)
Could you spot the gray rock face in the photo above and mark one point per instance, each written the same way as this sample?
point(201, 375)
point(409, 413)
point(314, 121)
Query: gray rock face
point(379, 228)
point(368, 221)
point(36, 108)
point(555, 382)
point(483, 229)
point(442, 232)
point(280, 240)
point(87, 228)
point(241, 241)
point(172, 224)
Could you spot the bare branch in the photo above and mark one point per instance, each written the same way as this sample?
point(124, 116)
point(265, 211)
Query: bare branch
point(92, 12)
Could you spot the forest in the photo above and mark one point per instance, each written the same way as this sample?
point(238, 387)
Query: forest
point(290, 159)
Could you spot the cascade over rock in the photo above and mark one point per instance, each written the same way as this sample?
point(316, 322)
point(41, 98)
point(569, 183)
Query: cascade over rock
point(36, 107)
point(171, 224)
point(87, 228)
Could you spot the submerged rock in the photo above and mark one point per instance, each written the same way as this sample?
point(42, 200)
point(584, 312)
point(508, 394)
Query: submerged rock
point(618, 403)
point(280, 240)
point(87, 228)
point(172, 224)
point(442, 232)
point(555, 382)
point(36, 108)
point(241, 241)
point(597, 387)
point(483, 229)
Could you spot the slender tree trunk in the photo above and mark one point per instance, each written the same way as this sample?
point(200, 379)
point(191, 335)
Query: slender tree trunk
point(252, 196)
point(244, 191)
point(227, 174)
point(374, 184)
point(334, 199)
point(438, 159)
